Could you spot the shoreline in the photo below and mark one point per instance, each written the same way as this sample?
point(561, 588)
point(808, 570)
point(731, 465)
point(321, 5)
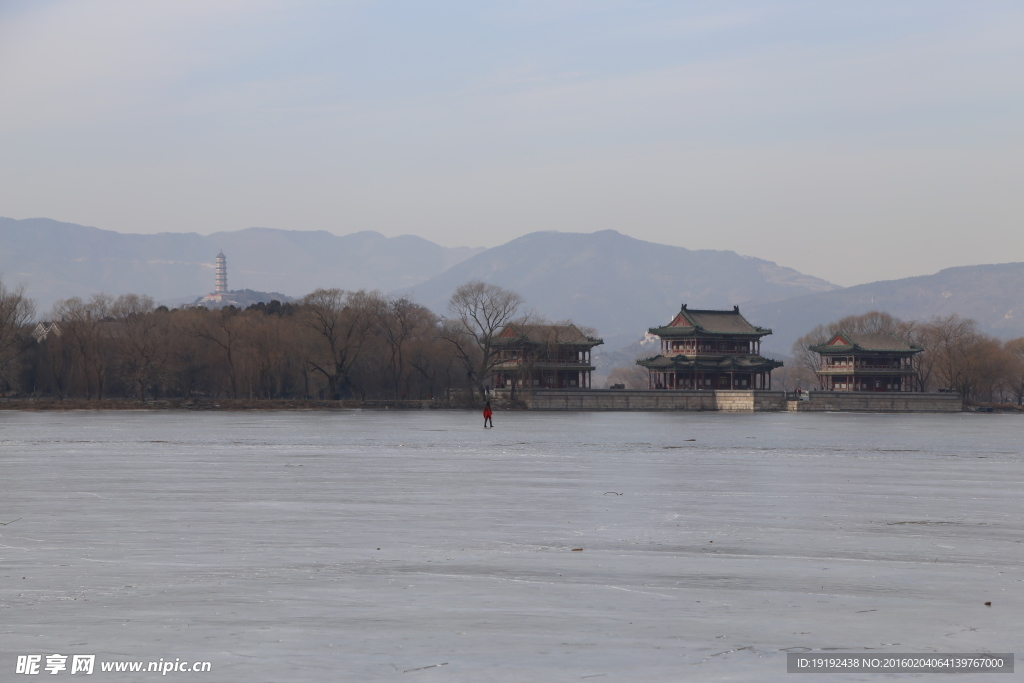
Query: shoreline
point(234, 404)
point(255, 405)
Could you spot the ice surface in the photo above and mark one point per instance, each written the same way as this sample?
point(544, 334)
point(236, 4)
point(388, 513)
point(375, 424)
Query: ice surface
point(324, 546)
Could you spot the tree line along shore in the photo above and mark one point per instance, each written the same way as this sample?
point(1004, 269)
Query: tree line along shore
point(956, 356)
point(337, 348)
point(348, 348)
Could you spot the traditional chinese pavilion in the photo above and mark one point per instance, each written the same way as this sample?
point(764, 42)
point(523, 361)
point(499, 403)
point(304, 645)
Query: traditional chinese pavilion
point(543, 356)
point(709, 349)
point(866, 362)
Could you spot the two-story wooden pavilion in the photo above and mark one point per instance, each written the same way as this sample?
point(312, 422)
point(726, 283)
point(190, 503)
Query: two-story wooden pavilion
point(709, 349)
point(866, 362)
point(543, 357)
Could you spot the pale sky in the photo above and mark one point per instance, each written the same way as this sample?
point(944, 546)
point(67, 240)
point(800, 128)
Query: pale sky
point(854, 141)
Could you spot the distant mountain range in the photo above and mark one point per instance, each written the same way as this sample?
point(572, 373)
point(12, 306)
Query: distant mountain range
point(993, 295)
point(59, 260)
point(622, 286)
point(617, 284)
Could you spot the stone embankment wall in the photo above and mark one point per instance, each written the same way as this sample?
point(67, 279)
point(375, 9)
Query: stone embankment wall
point(609, 399)
point(871, 402)
point(733, 401)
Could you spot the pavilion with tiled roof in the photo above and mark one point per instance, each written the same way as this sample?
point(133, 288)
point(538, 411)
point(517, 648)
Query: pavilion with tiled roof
point(709, 349)
point(866, 362)
point(543, 357)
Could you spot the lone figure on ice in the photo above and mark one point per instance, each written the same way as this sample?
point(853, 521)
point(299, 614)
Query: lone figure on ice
point(488, 422)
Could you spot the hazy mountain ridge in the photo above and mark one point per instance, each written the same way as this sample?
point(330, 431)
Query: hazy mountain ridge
point(58, 260)
point(991, 294)
point(622, 286)
point(618, 284)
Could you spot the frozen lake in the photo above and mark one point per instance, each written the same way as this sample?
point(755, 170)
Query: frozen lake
point(315, 546)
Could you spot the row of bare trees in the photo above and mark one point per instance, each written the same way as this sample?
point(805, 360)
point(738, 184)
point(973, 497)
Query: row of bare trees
point(956, 356)
point(340, 344)
point(332, 344)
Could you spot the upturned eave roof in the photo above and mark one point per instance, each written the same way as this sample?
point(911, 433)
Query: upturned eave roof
point(881, 342)
point(559, 335)
point(712, 322)
point(676, 331)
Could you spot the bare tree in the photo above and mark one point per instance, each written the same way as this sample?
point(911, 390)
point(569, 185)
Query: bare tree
point(917, 334)
point(190, 359)
point(479, 312)
point(220, 328)
point(264, 354)
point(16, 311)
point(1015, 350)
point(343, 322)
point(305, 344)
point(86, 327)
point(400, 322)
point(949, 342)
point(60, 360)
point(139, 345)
point(435, 361)
point(991, 368)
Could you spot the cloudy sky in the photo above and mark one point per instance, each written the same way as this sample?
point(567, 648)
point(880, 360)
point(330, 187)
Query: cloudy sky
point(852, 141)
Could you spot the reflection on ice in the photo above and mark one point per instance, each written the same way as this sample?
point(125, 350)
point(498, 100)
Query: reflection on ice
point(384, 545)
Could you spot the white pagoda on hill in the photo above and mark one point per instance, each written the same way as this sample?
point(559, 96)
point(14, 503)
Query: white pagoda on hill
point(220, 287)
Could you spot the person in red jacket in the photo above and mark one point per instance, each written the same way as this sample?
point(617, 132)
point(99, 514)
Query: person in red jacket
point(487, 415)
